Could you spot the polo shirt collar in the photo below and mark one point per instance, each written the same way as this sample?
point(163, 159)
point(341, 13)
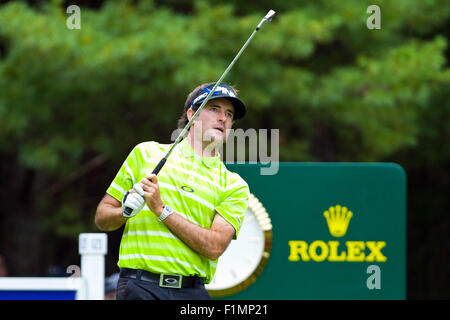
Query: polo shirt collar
point(188, 152)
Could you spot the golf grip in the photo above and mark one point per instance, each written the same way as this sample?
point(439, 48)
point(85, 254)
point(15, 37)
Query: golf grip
point(155, 171)
point(159, 166)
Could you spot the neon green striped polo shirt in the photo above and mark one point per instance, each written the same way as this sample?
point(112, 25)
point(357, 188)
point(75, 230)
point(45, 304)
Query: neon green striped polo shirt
point(195, 187)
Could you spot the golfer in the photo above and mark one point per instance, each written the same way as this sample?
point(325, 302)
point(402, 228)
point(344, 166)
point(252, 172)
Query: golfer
point(184, 219)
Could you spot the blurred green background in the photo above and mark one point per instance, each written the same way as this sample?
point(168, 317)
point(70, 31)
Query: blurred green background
point(74, 102)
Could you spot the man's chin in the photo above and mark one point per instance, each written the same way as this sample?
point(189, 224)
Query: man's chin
point(214, 141)
point(216, 138)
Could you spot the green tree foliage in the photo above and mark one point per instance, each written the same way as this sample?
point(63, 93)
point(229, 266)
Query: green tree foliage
point(73, 102)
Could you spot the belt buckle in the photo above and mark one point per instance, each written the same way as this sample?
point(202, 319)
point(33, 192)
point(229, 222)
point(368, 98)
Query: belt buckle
point(170, 281)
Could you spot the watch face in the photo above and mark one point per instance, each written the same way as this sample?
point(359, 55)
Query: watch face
point(243, 260)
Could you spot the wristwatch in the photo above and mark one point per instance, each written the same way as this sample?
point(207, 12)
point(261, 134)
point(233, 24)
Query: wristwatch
point(167, 211)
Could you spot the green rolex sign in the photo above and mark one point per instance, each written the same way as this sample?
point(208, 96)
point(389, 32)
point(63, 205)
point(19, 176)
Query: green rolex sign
point(338, 231)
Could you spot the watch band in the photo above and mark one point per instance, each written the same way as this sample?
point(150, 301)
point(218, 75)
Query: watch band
point(167, 211)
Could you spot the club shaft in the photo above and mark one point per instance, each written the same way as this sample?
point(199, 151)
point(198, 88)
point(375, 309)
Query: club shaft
point(161, 163)
point(218, 82)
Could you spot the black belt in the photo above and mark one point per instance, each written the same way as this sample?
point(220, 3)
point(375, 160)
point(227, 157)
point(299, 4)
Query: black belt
point(164, 280)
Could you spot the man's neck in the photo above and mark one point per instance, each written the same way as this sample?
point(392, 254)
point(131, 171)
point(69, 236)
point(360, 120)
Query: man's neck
point(202, 148)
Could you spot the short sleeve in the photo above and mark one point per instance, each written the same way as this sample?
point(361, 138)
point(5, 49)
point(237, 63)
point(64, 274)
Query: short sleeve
point(233, 207)
point(125, 177)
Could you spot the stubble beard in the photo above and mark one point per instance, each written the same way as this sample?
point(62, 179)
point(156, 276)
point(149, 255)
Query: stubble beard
point(208, 140)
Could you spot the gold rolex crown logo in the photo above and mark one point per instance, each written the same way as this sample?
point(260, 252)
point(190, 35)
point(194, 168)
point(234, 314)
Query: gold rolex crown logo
point(338, 219)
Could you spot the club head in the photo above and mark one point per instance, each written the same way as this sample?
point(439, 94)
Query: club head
point(269, 15)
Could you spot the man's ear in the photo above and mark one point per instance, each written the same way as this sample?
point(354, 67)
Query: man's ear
point(190, 113)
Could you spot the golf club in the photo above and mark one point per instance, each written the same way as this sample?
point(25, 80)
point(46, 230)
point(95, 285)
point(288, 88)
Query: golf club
point(268, 17)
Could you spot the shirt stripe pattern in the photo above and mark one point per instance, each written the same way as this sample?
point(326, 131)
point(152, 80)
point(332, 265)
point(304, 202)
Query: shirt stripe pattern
point(196, 188)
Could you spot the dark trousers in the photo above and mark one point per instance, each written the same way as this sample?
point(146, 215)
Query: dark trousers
point(133, 289)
